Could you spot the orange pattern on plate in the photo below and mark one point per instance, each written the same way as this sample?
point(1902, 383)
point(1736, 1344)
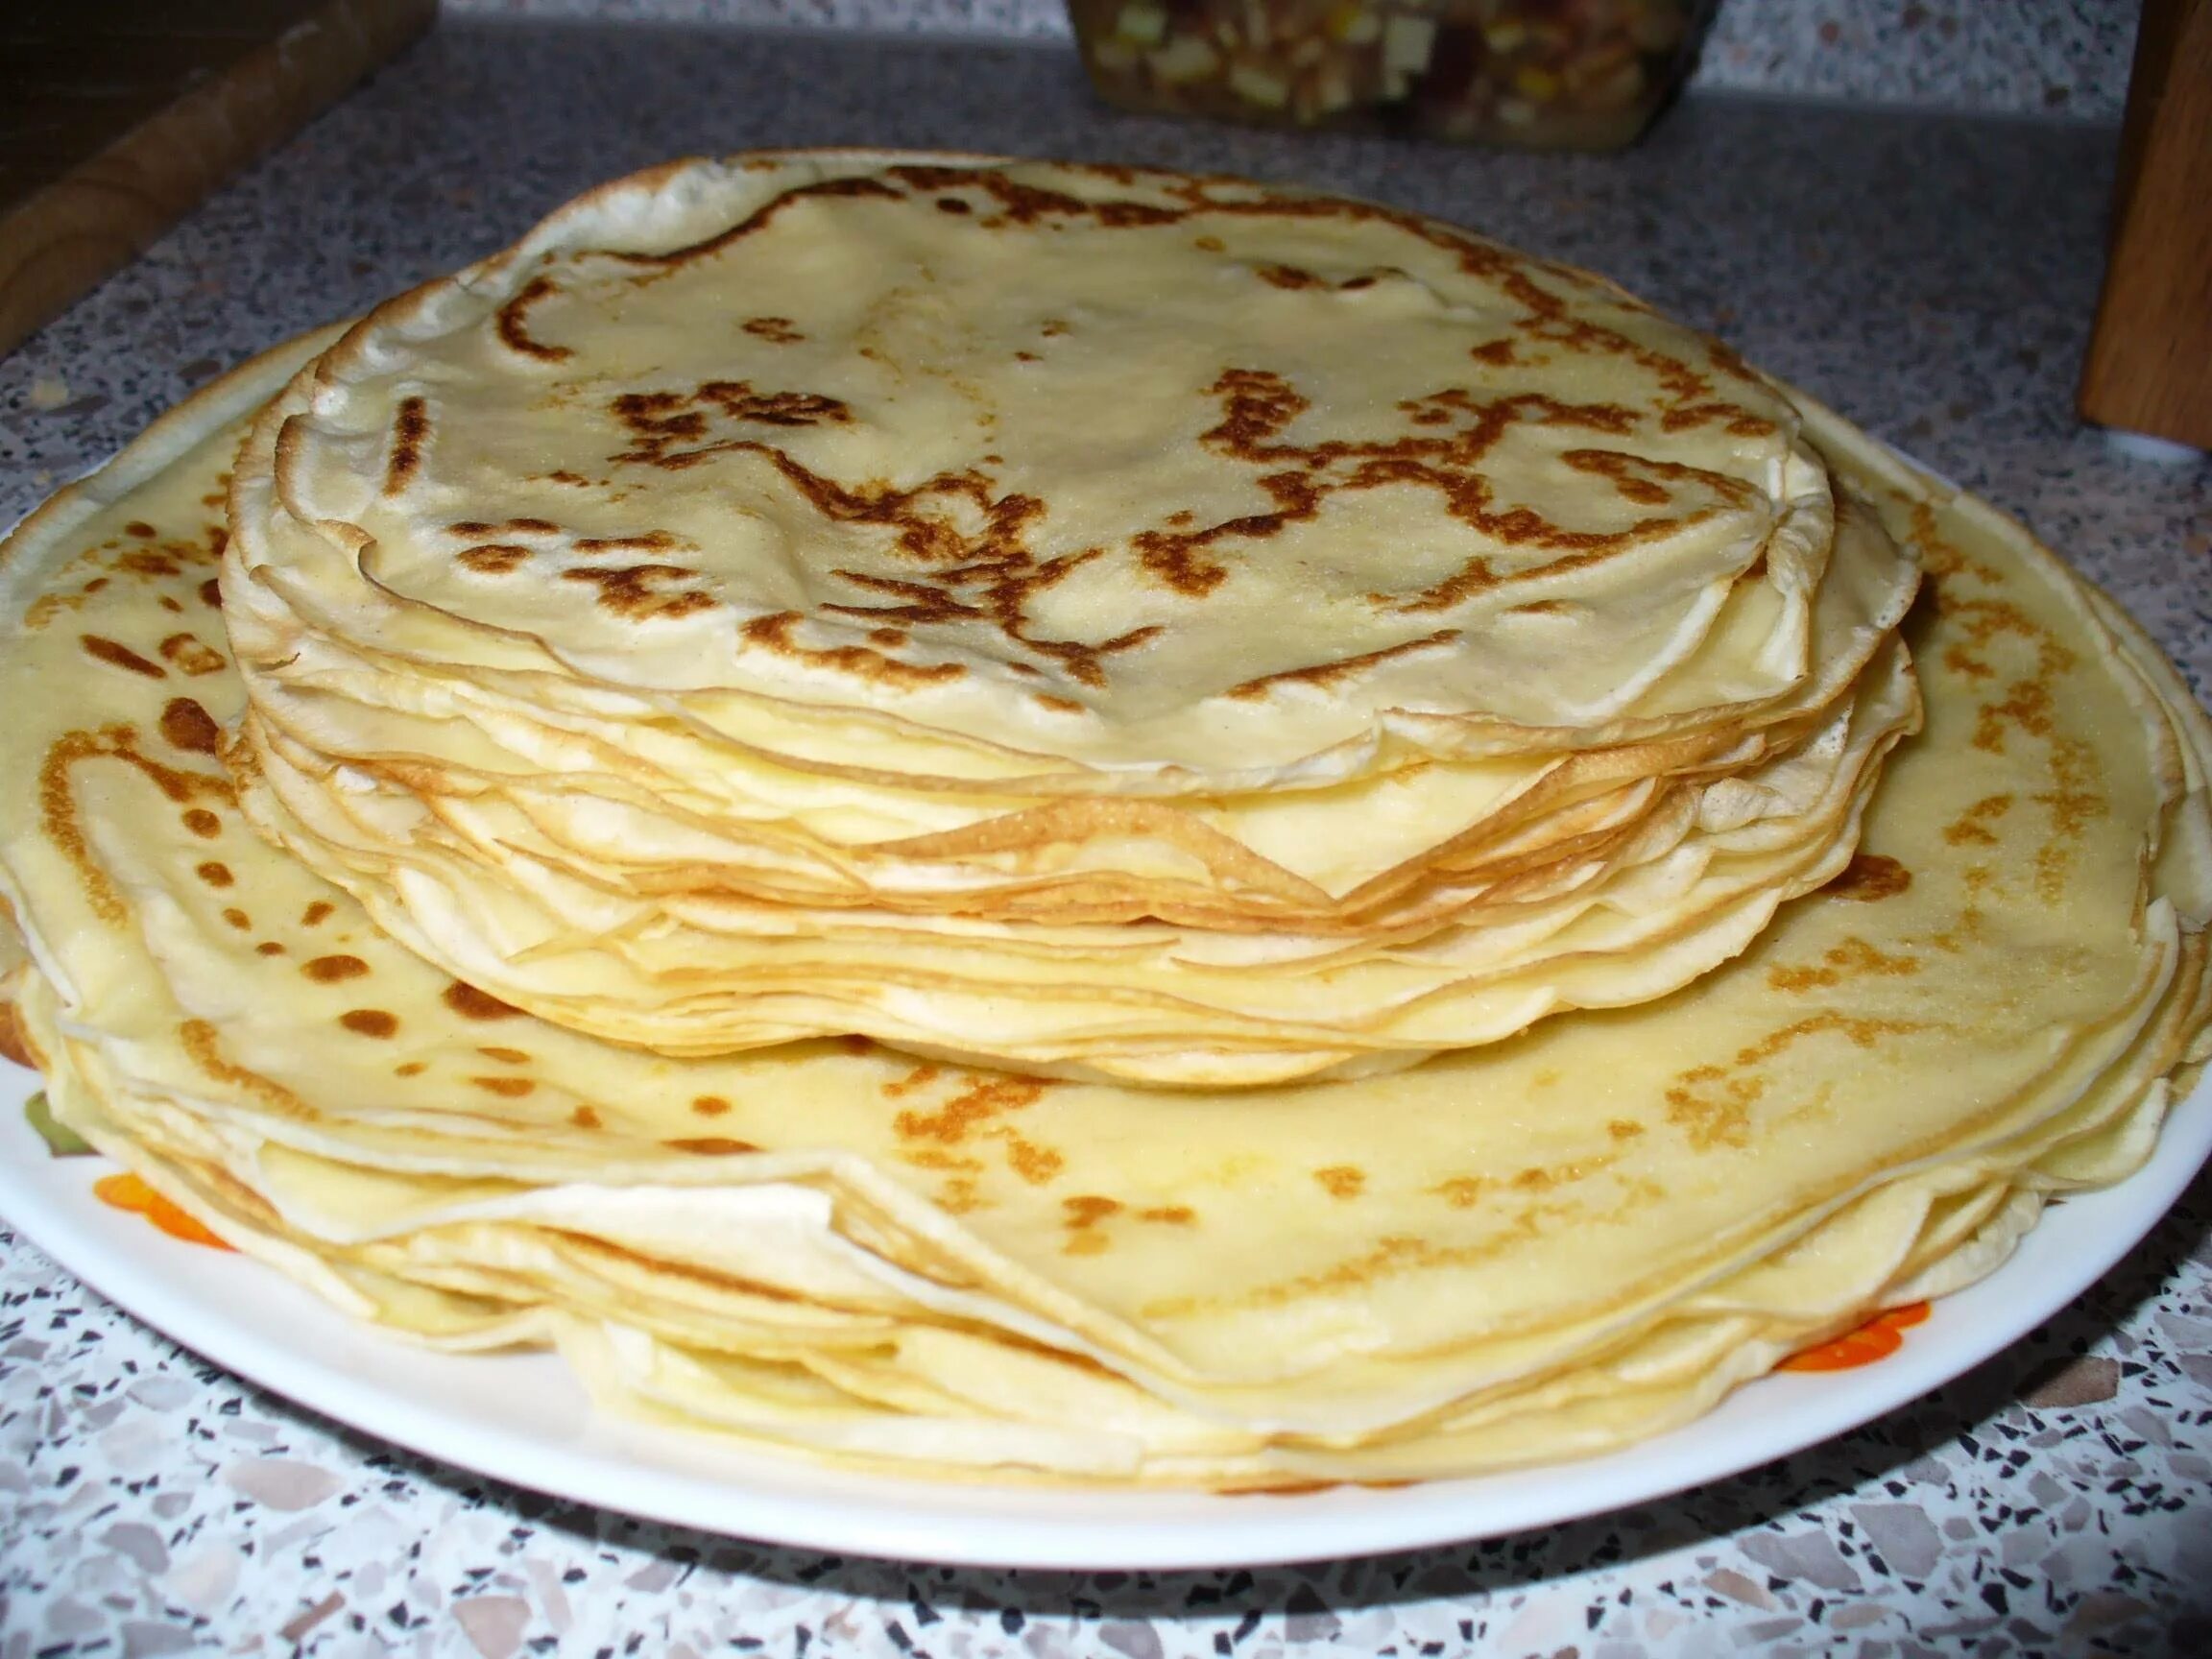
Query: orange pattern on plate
point(128, 1192)
point(1877, 1339)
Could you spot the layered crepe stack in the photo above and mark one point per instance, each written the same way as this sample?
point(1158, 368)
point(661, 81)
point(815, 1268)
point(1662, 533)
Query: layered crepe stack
point(427, 894)
point(1108, 624)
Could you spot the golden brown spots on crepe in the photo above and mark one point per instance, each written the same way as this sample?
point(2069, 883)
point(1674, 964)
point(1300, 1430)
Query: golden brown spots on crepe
point(139, 528)
point(1712, 1108)
point(1342, 1180)
point(2028, 703)
point(492, 558)
point(773, 632)
point(584, 1118)
point(117, 655)
point(1860, 1032)
point(506, 1056)
point(411, 1069)
point(777, 331)
point(269, 948)
point(1624, 1129)
point(477, 530)
point(1712, 1104)
point(58, 804)
point(202, 1046)
point(471, 1003)
point(711, 1147)
point(149, 563)
point(1460, 1191)
point(672, 429)
point(960, 1195)
point(215, 872)
point(1082, 1216)
point(512, 324)
point(239, 920)
point(374, 1023)
point(211, 594)
point(1549, 1178)
point(659, 263)
point(1288, 276)
point(2072, 803)
point(1962, 662)
point(316, 914)
point(186, 725)
point(1343, 667)
point(710, 1105)
point(1639, 478)
point(1870, 877)
point(1170, 1216)
point(1057, 705)
point(506, 1088)
point(638, 592)
point(1971, 828)
point(410, 431)
point(1209, 244)
point(644, 542)
point(1034, 1164)
point(937, 1157)
point(921, 1077)
point(1939, 555)
point(1852, 959)
point(978, 1110)
point(191, 657)
point(332, 970)
point(1457, 430)
point(169, 603)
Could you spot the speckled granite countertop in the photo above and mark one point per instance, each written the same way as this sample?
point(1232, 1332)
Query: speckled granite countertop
point(1933, 276)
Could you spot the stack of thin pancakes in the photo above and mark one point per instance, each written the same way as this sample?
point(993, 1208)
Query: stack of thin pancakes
point(1114, 625)
point(350, 852)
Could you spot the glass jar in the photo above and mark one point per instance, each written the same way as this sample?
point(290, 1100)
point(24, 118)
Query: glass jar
point(1564, 74)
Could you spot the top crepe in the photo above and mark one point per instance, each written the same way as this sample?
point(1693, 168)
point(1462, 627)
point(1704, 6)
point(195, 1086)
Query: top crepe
point(922, 554)
point(1005, 413)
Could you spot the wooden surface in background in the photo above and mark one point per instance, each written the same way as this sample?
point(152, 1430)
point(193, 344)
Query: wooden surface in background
point(2150, 363)
point(118, 116)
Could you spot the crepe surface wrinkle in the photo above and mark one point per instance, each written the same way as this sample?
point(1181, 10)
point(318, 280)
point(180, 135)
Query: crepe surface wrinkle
point(1543, 1248)
point(1407, 639)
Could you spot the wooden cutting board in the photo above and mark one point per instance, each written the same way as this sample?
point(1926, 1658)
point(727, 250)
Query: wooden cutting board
point(118, 116)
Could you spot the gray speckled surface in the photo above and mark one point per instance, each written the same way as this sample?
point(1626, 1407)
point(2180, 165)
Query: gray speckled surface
point(1931, 277)
point(2069, 56)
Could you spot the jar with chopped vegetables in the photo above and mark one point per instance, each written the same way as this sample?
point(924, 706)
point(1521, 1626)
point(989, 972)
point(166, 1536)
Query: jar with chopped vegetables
point(1567, 74)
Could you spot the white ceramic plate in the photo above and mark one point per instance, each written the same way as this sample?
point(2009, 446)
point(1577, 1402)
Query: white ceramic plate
point(523, 1418)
